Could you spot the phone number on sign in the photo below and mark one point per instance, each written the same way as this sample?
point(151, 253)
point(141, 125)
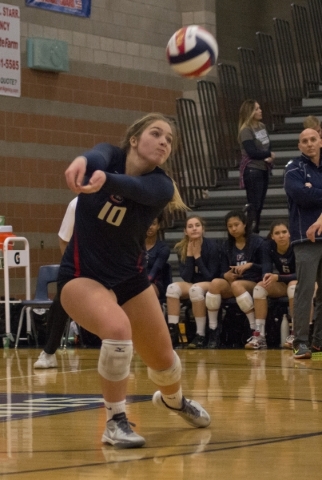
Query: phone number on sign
point(9, 64)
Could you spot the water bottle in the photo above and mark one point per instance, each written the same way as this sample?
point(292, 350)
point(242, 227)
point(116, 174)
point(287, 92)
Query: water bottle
point(285, 329)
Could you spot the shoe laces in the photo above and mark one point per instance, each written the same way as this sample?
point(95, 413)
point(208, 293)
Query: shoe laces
point(188, 408)
point(123, 423)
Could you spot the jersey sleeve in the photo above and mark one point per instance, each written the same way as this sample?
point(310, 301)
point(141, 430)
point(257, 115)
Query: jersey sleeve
point(152, 189)
point(101, 156)
point(161, 260)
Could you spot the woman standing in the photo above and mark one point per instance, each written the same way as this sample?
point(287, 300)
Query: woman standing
point(241, 268)
point(103, 278)
point(257, 159)
point(199, 263)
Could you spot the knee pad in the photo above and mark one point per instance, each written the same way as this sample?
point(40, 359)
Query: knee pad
point(115, 359)
point(245, 302)
point(169, 376)
point(196, 293)
point(291, 291)
point(213, 301)
point(174, 291)
point(260, 293)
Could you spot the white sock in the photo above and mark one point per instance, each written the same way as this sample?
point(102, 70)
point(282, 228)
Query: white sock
point(201, 325)
point(213, 319)
point(251, 319)
point(114, 407)
point(173, 319)
point(260, 324)
point(173, 400)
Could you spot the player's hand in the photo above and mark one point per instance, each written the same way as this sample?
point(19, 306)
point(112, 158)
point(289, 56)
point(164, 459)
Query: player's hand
point(75, 174)
point(240, 269)
point(269, 278)
point(194, 248)
point(315, 228)
point(95, 183)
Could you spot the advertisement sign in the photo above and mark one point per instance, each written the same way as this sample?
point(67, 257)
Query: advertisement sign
point(73, 7)
point(10, 65)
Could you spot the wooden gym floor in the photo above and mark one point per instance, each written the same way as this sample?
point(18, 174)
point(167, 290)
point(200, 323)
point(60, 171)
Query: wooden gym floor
point(266, 412)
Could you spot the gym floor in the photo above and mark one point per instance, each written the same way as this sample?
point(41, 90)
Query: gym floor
point(265, 409)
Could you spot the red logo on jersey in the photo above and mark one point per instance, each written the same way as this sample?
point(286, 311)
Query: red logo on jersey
point(116, 198)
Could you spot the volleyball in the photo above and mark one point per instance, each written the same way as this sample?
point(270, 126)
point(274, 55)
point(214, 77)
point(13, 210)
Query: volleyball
point(192, 51)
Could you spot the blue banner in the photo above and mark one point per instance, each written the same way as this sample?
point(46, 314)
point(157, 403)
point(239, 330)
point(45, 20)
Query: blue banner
point(73, 7)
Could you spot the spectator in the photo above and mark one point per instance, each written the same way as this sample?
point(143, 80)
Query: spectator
point(278, 253)
point(199, 263)
point(257, 159)
point(240, 269)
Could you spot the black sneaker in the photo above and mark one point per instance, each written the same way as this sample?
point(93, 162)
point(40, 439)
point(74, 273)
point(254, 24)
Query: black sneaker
point(174, 334)
point(213, 340)
point(197, 342)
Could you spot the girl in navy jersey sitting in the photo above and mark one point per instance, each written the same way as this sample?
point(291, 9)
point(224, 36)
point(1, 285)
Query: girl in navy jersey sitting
point(240, 268)
point(278, 253)
point(103, 278)
point(157, 254)
point(199, 263)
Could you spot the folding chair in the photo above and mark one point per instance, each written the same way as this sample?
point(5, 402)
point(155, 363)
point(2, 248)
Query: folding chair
point(47, 274)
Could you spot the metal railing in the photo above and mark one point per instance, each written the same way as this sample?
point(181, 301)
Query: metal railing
point(250, 75)
point(196, 174)
point(293, 84)
point(232, 99)
point(305, 47)
point(220, 155)
point(271, 78)
point(315, 11)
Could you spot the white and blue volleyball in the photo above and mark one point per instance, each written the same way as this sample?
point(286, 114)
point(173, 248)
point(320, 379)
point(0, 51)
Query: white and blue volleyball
point(192, 51)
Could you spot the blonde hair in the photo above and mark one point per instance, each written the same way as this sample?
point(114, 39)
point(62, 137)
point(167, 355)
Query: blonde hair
point(176, 202)
point(182, 246)
point(311, 122)
point(246, 114)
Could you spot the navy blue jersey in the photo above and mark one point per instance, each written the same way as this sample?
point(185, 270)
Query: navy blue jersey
point(251, 253)
point(206, 267)
point(283, 262)
point(108, 242)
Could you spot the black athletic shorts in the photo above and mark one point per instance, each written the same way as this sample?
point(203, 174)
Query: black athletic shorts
point(124, 291)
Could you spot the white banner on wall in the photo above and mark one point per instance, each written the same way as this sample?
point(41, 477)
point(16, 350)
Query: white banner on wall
point(10, 64)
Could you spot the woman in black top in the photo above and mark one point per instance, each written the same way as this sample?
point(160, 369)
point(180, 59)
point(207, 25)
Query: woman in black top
point(199, 263)
point(103, 278)
point(277, 255)
point(240, 268)
point(257, 159)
